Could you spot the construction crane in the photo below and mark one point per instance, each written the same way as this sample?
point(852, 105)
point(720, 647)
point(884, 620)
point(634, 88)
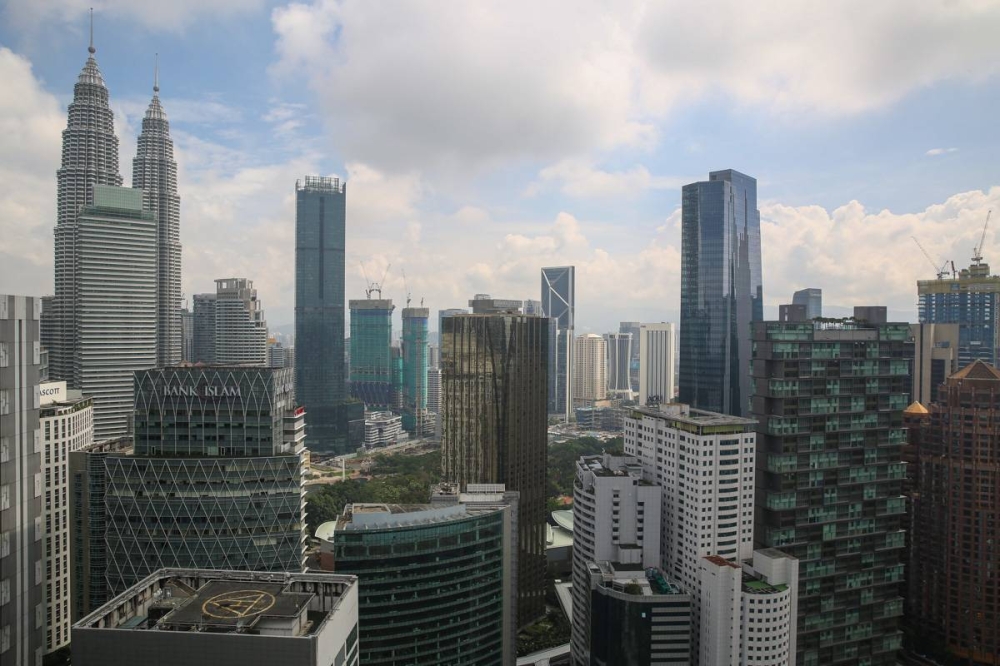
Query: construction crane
point(977, 252)
point(940, 272)
point(406, 288)
point(374, 287)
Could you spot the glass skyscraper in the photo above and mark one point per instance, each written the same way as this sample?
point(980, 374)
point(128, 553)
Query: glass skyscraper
point(320, 218)
point(971, 299)
point(559, 305)
point(721, 291)
point(812, 299)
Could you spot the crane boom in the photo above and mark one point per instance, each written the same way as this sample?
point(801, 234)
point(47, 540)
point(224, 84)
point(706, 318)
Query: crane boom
point(940, 272)
point(977, 253)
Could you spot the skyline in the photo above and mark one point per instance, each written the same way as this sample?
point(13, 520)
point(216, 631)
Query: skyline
point(469, 191)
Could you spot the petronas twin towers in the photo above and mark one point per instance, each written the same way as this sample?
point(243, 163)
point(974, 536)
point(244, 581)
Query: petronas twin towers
point(117, 299)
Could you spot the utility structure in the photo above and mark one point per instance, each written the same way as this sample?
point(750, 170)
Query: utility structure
point(371, 370)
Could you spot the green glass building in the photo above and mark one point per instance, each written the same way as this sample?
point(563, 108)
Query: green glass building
point(371, 373)
point(829, 399)
point(435, 583)
point(415, 368)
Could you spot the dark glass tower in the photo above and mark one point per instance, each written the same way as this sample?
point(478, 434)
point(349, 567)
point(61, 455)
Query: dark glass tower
point(721, 291)
point(559, 304)
point(320, 218)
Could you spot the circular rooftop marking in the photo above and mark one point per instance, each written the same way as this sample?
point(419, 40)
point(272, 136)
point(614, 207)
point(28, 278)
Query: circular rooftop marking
point(237, 604)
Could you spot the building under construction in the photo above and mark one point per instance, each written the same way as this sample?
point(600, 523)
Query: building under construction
point(414, 349)
point(371, 370)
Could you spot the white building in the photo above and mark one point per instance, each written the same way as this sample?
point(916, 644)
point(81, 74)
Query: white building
point(67, 425)
point(590, 373)
point(619, 364)
point(657, 362)
point(383, 428)
point(240, 329)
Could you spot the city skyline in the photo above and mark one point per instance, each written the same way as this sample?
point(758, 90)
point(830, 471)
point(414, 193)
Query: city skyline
point(246, 129)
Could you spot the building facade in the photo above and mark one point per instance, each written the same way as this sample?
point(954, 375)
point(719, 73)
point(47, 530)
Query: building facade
point(559, 305)
point(22, 587)
point(935, 358)
point(240, 328)
point(494, 426)
point(721, 291)
point(619, 363)
point(187, 335)
point(829, 400)
point(633, 328)
point(811, 299)
point(371, 352)
point(971, 299)
point(590, 381)
point(203, 328)
point(414, 351)
point(383, 429)
point(320, 369)
point(657, 363)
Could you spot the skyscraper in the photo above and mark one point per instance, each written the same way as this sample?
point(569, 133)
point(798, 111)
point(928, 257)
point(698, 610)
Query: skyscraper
point(187, 335)
point(203, 335)
point(559, 304)
point(154, 171)
point(240, 328)
point(447, 313)
point(935, 358)
point(656, 363)
point(619, 348)
point(371, 352)
point(633, 328)
point(721, 291)
point(812, 299)
point(21, 567)
point(414, 349)
point(494, 425)
point(320, 386)
point(590, 381)
point(970, 299)
point(89, 158)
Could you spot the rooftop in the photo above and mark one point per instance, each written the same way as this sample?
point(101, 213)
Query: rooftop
point(391, 516)
point(634, 579)
point(685, 414)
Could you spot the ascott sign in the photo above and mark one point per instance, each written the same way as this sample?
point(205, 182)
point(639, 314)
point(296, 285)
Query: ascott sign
point(203, 391)
point(49, 392)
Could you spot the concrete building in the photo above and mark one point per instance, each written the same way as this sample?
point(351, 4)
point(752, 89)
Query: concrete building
point(935, 358)
point(657, 363)
point(187, 335)
point(792, 312)
point(178, 617)
point(203, 333)
point(414, 352)
point(559, 305)
point(435, 582)
point(22, 585)
point(811, 299)
point(383, 429)
point(486, 304)
point(590, 380)
point(67, 425)
point(240, 328)
point(829, 400)
point(371, 373)
point(721, 291)
point(971, 299)
point(619, 364)
point(494, 425)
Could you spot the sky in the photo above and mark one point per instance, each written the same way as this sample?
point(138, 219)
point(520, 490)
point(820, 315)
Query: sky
point(481, 141)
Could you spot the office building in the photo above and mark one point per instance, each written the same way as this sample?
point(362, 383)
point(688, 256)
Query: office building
point(532, 307)
point(812, 299)
point(447, 313)
point(935, 358)
point(486, 304)
point(657, 363)
point(590, 380)
point(278, 356)
point(606, 415)
point(721, 291)
point(206, 439)
point(559, 304)
point(829, 400)
point(494, 426)
point(187, 335)
point(67, 425)
point(871, 314)
point(240, 328)
point(619, 364)
point(178, 617)
point(115, 303)
point(433, 356)
point(203, 324)
point(616, 518)
point(154, 171)
point(372, 380)
point(22, 615)
point(321, 368)
point(414, 353)
point(956, 522)
point(434, 390)
point(792, 312)
point(633, 328)
point(383, 429)
point(89, 158)
point(971, 299)
point(434, 582)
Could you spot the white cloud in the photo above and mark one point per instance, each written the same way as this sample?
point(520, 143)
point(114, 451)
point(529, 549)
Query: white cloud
point(580, 178)
point(933, 152)
point(174, 15)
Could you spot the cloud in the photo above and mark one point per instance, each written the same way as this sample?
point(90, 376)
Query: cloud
point(933, 152)
point(580, 178)
point(172, 16)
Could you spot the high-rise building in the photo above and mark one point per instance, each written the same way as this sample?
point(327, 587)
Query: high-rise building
point(22, 584)
point(956, 522)
point(89, 158)
point(441, 592)
point(206, 440)
point(532, 307)
point(67, 425)
point(829, 400)
point(371, 352)
point(320, 377)
point(240, 328)
point(971, 299)
point(203, 335)
point(447, 313)
point(721, 291)
point(178, 617)
point(657, 363)
point(187, 335)
point(114, 241)
point(812, 299)
point(414, 351)
point(590, 381)
point(154, 171)
point(494, 426)
point(935, 358)
point(486, 304)
point(559, 304)
point(619, 363)
point(633, 328)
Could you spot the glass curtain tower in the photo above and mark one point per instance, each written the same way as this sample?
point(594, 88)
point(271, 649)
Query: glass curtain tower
point(559, 305)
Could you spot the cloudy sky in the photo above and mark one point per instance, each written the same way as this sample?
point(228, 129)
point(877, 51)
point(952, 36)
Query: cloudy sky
point(483, 140)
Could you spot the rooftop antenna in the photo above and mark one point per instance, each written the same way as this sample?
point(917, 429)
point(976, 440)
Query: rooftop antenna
point(156, 75)
point(977, 253)
point(91, 50)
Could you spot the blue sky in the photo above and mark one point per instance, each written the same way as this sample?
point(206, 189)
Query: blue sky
point(482, 141)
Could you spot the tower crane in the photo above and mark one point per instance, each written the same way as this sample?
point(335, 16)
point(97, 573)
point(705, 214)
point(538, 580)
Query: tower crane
point(940, 272)
point(373, 287)
point(406, 289)
point(977, 252)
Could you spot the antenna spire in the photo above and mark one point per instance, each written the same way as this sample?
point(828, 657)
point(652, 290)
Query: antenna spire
point(91, 48)
point(156, 75)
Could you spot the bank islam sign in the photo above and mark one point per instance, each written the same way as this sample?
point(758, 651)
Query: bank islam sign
point(204, 391)
point(49, 392)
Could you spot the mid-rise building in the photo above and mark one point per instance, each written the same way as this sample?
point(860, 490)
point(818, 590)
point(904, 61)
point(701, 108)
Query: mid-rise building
point(383, 429)
point(279, 356)
point(532, 307)
point(657, 363)
point(590, 380)
point(67, 425)
point(971, 299)
point(414, 353)
point(812, 299)
point(494, 425)
point(22, 585)
point(203, 333)
point(177, 617)
point(320, 368)
point(829, 400)
point(935, 358)
point(371, 352)
point(559, 305)
point(619, 364)
point(240, 328)
point(721, 291)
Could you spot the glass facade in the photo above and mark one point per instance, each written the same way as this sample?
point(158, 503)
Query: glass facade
point(829, 400)
point(812, 299)
point(559, 304)
point(970, 299)
point(721, 291)
point(414, 351)
point(372, 368)
point(320, 386)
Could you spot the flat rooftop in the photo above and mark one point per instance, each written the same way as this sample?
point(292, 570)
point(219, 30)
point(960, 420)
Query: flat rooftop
point(391, 516)
point(224, 605)
point(685, 414)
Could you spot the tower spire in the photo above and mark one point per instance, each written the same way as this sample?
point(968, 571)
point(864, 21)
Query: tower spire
point(156, 75)
point(91, 50)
